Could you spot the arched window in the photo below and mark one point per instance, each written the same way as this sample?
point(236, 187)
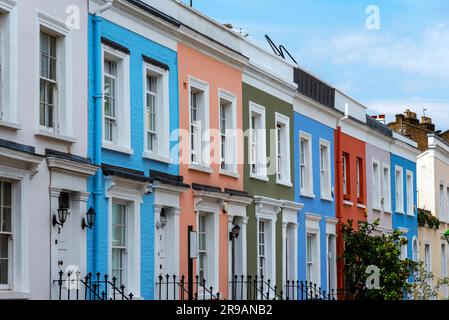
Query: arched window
point(415, 249)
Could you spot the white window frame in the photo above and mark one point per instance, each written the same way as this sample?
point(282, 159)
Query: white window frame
point(262, 255)
point(9, 63)
point(442, 200)
point(20, 284)
point(210, 211)
point(132, 197)
point(63, 122)
point(386, 188)
point(230, 157)
point(122, 143)
point(202, 148)
point(313, 228)
point(399, 189)
point(415, 249)
point(307, 191)
point(404, 249)
point(284, 153)
point(446, 214)
point(313, 262)
point(10, 235)
point(409, 193)
point(376, 194)
point(124, 248)
point(345, 162)
point(162, 144)
point(260, 145)
point(428, 257)
point(325, 175)
point(444, 270)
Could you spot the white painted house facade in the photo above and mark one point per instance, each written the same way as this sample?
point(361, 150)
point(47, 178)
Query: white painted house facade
point(43, 143)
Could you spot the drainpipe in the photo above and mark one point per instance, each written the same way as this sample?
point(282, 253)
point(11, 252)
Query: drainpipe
point(98, 137)
point(339, 201)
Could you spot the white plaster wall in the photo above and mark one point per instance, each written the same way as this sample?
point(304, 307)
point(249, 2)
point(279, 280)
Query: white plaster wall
point(36, 193)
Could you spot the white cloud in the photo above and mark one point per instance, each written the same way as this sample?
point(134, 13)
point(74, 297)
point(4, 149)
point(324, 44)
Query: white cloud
point(427, 55)
point(438, 110)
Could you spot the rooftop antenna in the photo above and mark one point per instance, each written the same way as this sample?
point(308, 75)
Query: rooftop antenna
point(279, 51)
point(424, 109)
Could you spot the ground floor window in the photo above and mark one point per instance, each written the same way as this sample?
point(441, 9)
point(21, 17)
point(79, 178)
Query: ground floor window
point(119, 242)
point(6, 233)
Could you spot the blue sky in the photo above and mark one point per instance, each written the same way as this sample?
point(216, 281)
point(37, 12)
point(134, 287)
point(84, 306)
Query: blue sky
point(403, 64)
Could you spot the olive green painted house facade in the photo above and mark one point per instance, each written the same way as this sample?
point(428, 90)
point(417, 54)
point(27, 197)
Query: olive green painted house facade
point(272, 223)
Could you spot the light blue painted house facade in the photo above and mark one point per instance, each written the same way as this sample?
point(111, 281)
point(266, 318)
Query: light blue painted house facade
point(404, 201)
point(314, 181)
point(133, 108)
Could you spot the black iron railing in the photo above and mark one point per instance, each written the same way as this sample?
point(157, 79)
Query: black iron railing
point(177, 288)
point(71, 286)
point(172, 287)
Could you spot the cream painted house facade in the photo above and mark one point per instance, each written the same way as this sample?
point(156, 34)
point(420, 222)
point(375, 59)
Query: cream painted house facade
point(433, 195)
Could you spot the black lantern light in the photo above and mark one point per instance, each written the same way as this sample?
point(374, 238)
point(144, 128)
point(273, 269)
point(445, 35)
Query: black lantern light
point(90, 216)
point(235, 232)
point(62, 210)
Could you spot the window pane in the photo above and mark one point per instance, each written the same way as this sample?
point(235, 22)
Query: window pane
point(4, 258)
point(7, 193)
point(53, 70)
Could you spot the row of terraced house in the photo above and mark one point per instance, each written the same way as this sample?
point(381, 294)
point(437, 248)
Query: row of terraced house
point(156, 149)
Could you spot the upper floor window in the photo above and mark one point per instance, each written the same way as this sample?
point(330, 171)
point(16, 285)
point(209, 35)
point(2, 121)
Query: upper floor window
point(110, 101)
point(116, 100)
point(257, 142)
point(55, 81)
point(410, 197)
point(48, 80)
point(386, 189)
point(376, 185)
point(446, 215)
point(282, 149)
point(399, 190)
point(346, 181)
point(359, 179)
point(9, 57)
point(325, 169)
point(227, 123)
point(6, 234)
point(305, 162)
point(442, 201)
point(156, 126)
point(199, 122)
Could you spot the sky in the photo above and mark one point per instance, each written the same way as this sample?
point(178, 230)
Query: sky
point(402, 64)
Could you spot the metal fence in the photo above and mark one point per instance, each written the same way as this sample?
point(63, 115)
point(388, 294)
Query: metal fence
point(71, 286)
point(246, 288)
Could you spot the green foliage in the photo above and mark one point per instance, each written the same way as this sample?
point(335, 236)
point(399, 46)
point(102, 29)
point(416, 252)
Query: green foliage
point(364, 248)
point(425, 285)
point(425, 216)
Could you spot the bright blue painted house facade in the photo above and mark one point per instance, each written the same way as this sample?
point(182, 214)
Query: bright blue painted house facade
point(405, 216)
point(122, 243)
point(313, 181)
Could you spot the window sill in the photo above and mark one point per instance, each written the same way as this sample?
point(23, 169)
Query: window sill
point(55, 136)
point(324, 198)
point(348, 203)
point(388, 211)
point(400, 212)
point(229, 174)
point(10, 125)
point(284, 183)
point(307, 195)
point(156, 157)
point(200, 168)
point(411, 214)
point(116, 148)
point(361, 206)
point(14, 295)
point(258, 177)
point(377, 208)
